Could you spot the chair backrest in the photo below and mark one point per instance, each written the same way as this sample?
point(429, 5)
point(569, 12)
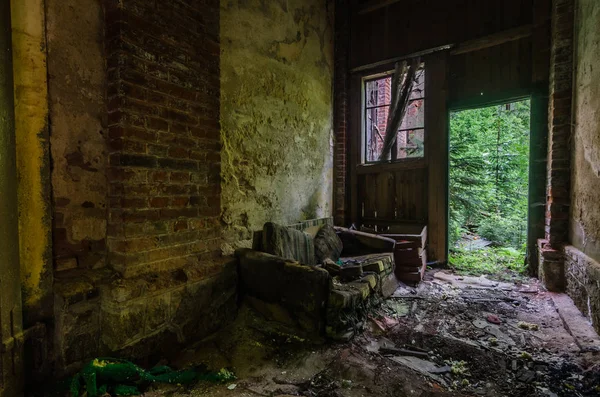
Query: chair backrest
point(310, 226)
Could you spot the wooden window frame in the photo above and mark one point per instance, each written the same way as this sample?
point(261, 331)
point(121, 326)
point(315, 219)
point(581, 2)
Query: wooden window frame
point(364, 79)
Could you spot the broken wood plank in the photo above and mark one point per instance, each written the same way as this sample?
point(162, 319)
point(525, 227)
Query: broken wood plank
point(402, 352)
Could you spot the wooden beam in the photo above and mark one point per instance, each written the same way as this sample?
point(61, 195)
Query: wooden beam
point(405, 164)
point(375, 5)
point(493, 40)
point(391, 61)
point(436, 146)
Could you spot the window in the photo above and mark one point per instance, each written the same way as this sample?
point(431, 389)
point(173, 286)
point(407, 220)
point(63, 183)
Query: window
point(376, 104)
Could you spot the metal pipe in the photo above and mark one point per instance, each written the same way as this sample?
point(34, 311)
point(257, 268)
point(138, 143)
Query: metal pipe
point(10, 281)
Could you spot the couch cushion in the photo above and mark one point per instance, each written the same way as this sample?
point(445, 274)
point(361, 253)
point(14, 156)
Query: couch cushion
point(288, 243)
point(382, 264)
point(327, 244)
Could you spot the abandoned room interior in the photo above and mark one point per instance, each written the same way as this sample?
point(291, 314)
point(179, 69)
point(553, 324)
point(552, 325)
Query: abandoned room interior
point(300, 198)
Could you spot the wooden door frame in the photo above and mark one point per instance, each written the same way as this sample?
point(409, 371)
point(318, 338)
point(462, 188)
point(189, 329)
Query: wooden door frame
point(536, 162)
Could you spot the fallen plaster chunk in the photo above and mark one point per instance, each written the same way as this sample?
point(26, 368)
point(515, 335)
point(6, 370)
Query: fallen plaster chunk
point(469, 282)
point(424, 367)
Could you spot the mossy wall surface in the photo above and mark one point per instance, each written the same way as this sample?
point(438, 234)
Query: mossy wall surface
point(276, 114)
point(585, 174)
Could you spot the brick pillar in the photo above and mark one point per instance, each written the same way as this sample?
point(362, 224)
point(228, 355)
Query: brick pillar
point(559, 122)
point(164, 136)
point(340, 111)
point(551, 269)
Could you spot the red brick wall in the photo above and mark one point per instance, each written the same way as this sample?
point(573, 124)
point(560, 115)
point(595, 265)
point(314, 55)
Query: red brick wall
point(551, 259)
point(340, 111)
point(559, 122)
point(163, 118)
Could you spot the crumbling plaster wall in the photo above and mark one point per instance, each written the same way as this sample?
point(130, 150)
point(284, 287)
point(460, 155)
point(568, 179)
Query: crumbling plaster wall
point(76, 71)
point(276, 114)
point(585, 190)
point(582, 258)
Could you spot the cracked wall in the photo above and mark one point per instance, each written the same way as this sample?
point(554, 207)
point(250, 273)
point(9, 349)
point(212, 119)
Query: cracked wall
point(582, 258)
point(276, 114)
point(585, 212)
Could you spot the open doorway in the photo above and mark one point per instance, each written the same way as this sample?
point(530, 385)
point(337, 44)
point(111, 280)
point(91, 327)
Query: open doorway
point(488, 189)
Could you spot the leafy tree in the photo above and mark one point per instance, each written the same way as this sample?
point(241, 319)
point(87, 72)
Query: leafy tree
point(489, 157)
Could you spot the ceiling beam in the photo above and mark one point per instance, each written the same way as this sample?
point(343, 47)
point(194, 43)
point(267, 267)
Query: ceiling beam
point(493, 40)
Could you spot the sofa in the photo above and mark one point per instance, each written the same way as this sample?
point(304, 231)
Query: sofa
point(314, 278)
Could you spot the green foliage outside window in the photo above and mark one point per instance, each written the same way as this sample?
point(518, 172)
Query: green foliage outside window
point(489, 166)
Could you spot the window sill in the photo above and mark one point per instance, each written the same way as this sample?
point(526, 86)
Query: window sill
point(369, 168)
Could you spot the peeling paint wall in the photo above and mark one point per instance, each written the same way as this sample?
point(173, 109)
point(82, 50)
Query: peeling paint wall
point(585, 189)
point(276, 114)
point(31, 116)
point(76, 70)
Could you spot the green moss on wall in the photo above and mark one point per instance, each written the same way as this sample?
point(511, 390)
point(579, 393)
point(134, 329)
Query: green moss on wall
point(276, 113)
point(585, 211)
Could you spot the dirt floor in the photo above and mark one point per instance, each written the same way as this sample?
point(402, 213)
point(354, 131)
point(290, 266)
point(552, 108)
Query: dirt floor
point(450, 336)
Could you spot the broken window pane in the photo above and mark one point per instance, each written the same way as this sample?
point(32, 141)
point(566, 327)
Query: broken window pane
point(376, 120)
point(378, 92)
point(418, 90)
point(378, 96)
point(410, 143)
point(415, 115)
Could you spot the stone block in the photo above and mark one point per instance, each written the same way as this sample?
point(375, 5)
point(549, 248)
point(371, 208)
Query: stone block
point(583, 283)
point(341, 299)
point(389, 285)
point(362, 287)
point(122, 324)
point(372, 280)
point(157, 312)
point(376, 267)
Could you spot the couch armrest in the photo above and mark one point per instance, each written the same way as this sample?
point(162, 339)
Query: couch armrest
point(361, 243)
point(279, 280)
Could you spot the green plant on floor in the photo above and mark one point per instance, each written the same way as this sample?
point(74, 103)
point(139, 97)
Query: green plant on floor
point(498, 262)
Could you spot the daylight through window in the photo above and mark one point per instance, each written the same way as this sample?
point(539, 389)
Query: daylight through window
point(376, 105)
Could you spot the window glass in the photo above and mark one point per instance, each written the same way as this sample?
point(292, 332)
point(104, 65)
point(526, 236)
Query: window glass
point(410, 136)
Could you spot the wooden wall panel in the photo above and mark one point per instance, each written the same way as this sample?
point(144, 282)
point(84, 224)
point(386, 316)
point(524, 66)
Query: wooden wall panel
point(409, 26)
point(393, 196)
point(492, 74)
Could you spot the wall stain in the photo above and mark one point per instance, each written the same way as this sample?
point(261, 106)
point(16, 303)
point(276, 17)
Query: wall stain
point(585, 212)
point(276, 114)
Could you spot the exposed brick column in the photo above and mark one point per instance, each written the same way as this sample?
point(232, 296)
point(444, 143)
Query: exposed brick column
point(559, 122)
point(551, 258)
point(164, 136)
point(340, 110)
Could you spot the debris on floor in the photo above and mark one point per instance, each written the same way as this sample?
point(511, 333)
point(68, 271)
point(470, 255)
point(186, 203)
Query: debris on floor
point(450, 336)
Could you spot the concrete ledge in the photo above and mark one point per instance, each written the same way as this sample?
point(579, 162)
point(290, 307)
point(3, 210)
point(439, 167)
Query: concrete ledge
point(98, 314)
point(583, 283)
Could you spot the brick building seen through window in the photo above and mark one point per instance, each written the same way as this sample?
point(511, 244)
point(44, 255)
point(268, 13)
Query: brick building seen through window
point(376, 104)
